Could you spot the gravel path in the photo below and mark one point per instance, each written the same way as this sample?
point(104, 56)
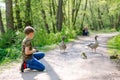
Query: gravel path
point(70, 65)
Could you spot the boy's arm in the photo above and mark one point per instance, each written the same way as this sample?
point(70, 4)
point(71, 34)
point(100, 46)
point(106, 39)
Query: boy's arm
point(28, 52)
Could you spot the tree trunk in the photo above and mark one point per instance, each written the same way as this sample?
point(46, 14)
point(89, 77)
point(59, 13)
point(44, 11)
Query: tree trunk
point(73, 9)
point(1, 24)
point(28, 21)
point(18, 18)
point(64, 11)
point(52, 13)
point(44, 18)
point(53, 6)
point(59, 16)
point(119, 20)
point(9, 14)
point(76, 12)
point(100, 22)
point(68, 18)
point(111, 23)
point(84, 15)
point(92, 15)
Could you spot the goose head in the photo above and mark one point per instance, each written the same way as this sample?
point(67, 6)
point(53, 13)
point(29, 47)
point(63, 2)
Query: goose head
point(63, 38)
point(96, 37)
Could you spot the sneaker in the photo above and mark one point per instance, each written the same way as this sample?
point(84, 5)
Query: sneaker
point(23, 66)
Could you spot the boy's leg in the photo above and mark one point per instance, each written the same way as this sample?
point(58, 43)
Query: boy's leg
point(23, 66)
point(38, 55)
point(35, 64)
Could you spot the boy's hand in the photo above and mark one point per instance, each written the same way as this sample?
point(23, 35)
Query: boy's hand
point(28, 52)
point(37, 50)
point(34, 50)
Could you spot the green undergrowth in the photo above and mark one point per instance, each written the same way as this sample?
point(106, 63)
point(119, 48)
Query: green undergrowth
point(14, 52)
point(107, 30)
point(114, 45)
point(10, 42)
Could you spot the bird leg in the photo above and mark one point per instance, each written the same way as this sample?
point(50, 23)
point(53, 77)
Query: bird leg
point(92, 50)
point(60, 51)
point(64, 50)
point(95, 50)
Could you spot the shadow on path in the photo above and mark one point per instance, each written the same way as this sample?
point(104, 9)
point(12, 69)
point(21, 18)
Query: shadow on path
point(51, 72)
point(30, 74)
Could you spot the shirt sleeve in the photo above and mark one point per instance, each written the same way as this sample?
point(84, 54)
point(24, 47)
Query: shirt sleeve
point(28, 43)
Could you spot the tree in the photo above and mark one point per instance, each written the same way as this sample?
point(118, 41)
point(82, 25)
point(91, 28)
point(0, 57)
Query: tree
point(92, 14)
point(59, 16)
point(28, 21)
point(44, 18)
point(52, 13)
point(9, 14)
point(75, 10)
point(84, 14)
point(45, 22)
point(18, 18)
point(1, 24)
point(100, 22)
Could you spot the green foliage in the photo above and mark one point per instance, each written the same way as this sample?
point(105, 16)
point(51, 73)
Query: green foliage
point(42, 38)
point(10, 42)
point(12, 51)
point(7, 39)
point(106, 30)
point(115, 42)
point(114, 45)
point(10, 47)
point(2, 54)
point(9, 54)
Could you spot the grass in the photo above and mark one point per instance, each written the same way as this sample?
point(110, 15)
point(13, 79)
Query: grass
point(103, 31)
point(8, 64)
point(114, 45)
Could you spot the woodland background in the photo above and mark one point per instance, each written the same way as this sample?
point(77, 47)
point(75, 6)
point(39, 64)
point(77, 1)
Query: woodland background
point(52, 19)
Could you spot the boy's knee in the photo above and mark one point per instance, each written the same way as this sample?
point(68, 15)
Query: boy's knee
point(42, 68)
point(42, 54)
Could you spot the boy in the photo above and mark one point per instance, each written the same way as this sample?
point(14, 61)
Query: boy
point(30, 55)
point(85, 31)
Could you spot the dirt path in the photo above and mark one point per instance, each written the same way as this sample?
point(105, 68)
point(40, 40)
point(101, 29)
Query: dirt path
point(71, 66)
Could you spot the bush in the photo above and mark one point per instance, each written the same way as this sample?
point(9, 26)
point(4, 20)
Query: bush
point(2, 54)
point(7, 39)
point(10, 53)
point(115, 42)
point(9, 46)
point(42, 38)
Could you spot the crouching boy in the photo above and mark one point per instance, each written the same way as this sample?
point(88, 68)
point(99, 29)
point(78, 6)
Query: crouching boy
point(30, 55)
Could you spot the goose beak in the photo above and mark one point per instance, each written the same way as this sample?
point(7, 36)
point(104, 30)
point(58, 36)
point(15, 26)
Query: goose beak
point(96, 36)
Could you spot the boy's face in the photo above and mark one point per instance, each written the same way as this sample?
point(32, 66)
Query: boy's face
point(31, 35)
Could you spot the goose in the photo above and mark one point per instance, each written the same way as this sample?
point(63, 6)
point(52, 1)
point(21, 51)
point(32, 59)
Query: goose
point(94, 44)
point(114, 56)
point(62, 44)
point(84, 56)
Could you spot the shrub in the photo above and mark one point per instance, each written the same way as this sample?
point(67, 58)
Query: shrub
point(115, 42)
point(7, 39)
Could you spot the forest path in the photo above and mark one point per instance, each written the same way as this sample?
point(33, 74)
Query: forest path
point(70, 65)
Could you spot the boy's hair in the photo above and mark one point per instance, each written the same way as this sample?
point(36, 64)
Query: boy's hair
point(28, 30)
